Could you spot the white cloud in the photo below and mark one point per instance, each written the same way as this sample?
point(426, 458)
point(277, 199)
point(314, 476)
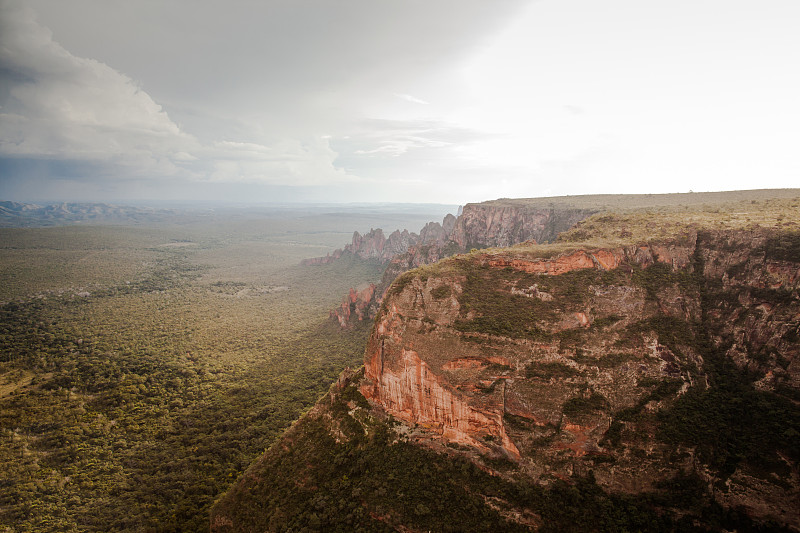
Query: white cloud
point(398, 145)
point(258, 107)
point(451, 100)
point(58, 105)
point(287, 162)
point(62, 107)
point(412, 99)
point(399, 137)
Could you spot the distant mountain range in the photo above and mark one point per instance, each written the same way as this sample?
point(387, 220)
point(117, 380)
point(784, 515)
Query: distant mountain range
point(15, 214)
point(18, 214)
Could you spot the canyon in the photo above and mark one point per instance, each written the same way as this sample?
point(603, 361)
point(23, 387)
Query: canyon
point(657, 377)
point(485, 225)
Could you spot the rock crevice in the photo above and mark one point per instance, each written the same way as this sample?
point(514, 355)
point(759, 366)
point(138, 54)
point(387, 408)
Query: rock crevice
point(582, 389)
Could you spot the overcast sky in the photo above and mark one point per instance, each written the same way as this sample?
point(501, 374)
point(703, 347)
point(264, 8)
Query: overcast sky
point(395, 100)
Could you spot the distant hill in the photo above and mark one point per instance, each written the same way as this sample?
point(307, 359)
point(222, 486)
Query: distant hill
point(15, 214)
point(339, 216)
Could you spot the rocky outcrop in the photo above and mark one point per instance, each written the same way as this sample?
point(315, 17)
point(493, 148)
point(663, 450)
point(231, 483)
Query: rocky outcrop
point(354, 306)
point(372, 246)
point(408, 390)
point(487, 225)
point(324, 260)
point(574, 362)
point(437, 234)
point(653, 382)
point(477, 226)
point(416, 390)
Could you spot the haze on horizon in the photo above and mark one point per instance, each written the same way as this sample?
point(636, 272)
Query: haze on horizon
point(364, 101)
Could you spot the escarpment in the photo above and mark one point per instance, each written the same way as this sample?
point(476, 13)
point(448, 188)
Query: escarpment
point(455, 348)
point(586, 361)
point(489, 225)
point(605, 384)
point(478, 226)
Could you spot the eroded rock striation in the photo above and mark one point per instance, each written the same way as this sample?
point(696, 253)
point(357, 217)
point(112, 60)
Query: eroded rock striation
point(372, 246)
point(587, 359)
point(478, 226)
point(640, 384)
point(489, 225)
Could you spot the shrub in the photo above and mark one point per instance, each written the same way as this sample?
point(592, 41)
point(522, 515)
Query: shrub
point(441, 292)
point(783, 247)
point(581, 405)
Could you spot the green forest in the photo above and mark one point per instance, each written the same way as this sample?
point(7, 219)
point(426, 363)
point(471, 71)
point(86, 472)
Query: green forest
point(143, 368)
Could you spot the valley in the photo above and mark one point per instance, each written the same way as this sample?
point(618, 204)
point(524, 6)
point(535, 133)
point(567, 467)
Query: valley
point(145, 366)
point(595, 363)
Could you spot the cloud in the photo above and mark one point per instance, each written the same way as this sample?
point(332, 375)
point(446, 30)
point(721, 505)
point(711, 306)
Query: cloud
point(290, 161)
point(398, 137)
point(61, 107)
point(426, 159)
point(450, 100)
point(87, 117)
point(57, 105)
point(412, 99)
point(279, 94)
point(292, 52)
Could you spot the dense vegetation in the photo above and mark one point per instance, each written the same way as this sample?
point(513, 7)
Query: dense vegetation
point(142, 369)
point(731, 423)
point(493, 300)
point(370, 478)
point(362, 484)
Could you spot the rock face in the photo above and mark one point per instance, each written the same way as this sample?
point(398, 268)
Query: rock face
point(648, 385)
point(460, 407)
point(354, 305)
point(484, 226)
point(587, 360)
point(477, 226)
point(372, 246)
point(407, 389)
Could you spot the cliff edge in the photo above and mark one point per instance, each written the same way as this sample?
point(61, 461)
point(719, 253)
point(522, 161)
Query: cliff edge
point(641, 373)
point(481, 225)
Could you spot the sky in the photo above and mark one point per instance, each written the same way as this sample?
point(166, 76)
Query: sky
point(440, 101)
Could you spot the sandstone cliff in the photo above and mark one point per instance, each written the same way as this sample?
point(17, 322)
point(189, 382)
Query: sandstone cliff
point(606, 382)
point(588, 360)
point(487, 225)
point(372, 246)
point(478, 226)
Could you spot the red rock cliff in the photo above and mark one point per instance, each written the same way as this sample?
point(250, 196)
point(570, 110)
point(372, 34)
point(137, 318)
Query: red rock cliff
point(488, 225)
point(576, 338)
point(404, 385)
point(575, 367)
point(413, 355)
point(478, 226)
